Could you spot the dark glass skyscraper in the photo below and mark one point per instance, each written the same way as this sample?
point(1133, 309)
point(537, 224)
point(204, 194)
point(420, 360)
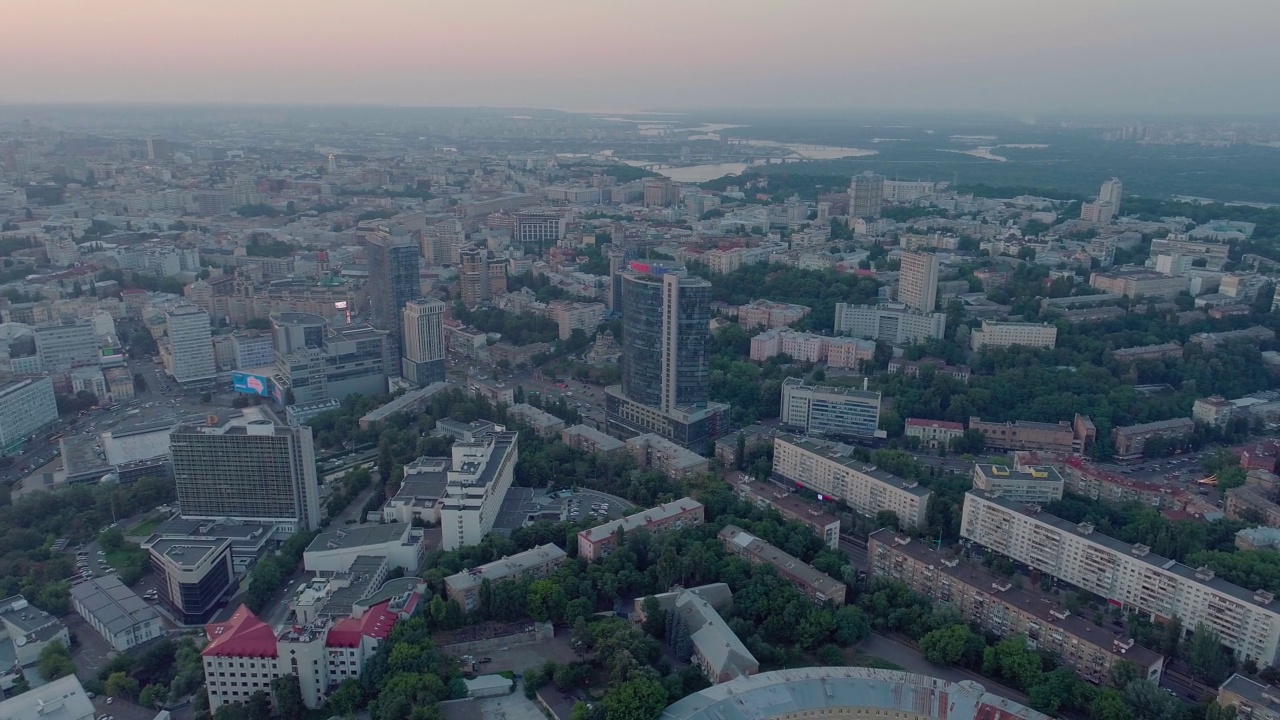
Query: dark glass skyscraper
point(666, 361)
point(393, 279)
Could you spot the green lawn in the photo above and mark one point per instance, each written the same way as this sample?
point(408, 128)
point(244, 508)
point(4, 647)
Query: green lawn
point(146, 527)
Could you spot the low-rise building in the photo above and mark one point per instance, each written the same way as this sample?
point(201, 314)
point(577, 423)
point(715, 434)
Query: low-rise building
point(29, 630)
point(1013, 334)
point(1135, 283)
point(122, 618)
point(403, 545)
point(1131, 441)
point(1163, 351)
point(1249, 505)
point(996, 605)
point(1062, 437)
point(1213, 411)
point(195, 576)
point(1252, 700)
point(933, 433)
point(597, 542)
point(819, 586)
point(792, 507)
point(752, 436)
point(588, 439)
point(892, 323)
point(1020, 483)
point(656, 452)
point(546, 425)
point(826, 469)
point(769, 314)
point(912, 368)
point(715, 649)
point(61, 699)
point(464, 587)
point(849, 353)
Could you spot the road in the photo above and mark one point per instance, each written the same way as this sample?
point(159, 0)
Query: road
point(910, 659)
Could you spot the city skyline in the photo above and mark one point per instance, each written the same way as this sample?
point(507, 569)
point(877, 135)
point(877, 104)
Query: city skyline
point(987, 55)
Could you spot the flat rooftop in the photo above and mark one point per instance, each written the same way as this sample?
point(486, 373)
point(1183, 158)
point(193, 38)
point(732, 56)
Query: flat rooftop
point(358, 536)
point(834, 453)
point(405, 401)
point(780, 559)
point(61, 699)
point(789, 502)
point(115, 606)
point(189, 552)
point(505, 567)
point(1123, 548)
point(641, 519)
point(28, 619)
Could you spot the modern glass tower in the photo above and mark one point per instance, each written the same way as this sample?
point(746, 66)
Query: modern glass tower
point(393, 279)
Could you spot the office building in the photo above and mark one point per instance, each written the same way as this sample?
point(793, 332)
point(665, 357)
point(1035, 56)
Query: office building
point(539, 227)
point(66, 344)
point(1252, 700)
point(27, 406)
point(190, 346)
point(246, 466)
point(866, 195)
point(482, 278)
point(918, 281)
point(335, 551)
point(1139, 283)
point(28, 630)
point(846, 692)
point(824, 468)
point(122, 618)
point(792, 507)
point(1022, 483)
point(464, 587)
point(894, 324)
point(1213, 253)
point(933, 434)
point(423, 346)
point(1061, 437)
point(819, 586)
point(1131, 441)
point(393, 279)
point(651, 451)
point(1013, 334)
point(1097, 212)
point(477, 482)
point(352, 359)
point(61, 699)
point(660, 192)
point(194, 576)
point(997, 606)
point(597, 542)
point(666, 365)
point(252, 349)
point(1112, 192)
point(829, 411)
point(1128, 575)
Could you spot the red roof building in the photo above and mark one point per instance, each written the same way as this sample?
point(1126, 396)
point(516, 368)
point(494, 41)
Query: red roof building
point(241, 635)
point(376, 623)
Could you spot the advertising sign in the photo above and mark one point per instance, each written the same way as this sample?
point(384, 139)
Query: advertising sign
point(251, 384)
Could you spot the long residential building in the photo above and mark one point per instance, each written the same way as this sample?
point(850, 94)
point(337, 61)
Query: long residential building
point(1061, 437)
point(597, 542)
point(1131, 441)
point(893, 323)
point(1130, 575)
point(829, 411)
point(654, 451)
point(792, 507)
point(1013, 334)
point(464, 587)
point(26, 407)
point(996, 605)
point(819, 586)
point(825, 469)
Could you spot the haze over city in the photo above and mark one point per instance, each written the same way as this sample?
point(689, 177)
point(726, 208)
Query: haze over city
point(1089, 56)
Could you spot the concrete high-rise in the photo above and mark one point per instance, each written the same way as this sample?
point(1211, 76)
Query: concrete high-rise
point(423, 361)
point(393, 278)
point(918, 281)
point(190, 351)
point(1112, 192)
point(666, 366)
point(480, 276)
point(866, 194)
point(246, 466)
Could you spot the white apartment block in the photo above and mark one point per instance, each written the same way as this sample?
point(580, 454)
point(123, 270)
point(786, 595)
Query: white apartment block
point(892, 323)
point(66, 344)
point(1247, 621)
point(570, 316)
point(26, 406)
point(1022, 483)
point(479, 476)
point(191, 345)
point(1010, 334)
point(918, 281)
point(865, 488)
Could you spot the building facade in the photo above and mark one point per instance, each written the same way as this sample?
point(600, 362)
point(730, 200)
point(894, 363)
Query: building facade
point(194, 576)
point(792, 507)
point(393, 278)
point(423, 346)
point(1037, 484)
point(918, 281)
point(820, 587)
point(597, 542)
point(27, 406)
point(894, 324)
point(478, 479)
point(829, 411)
point(865, 488)
point(464, 587)
point(191, 346)
point(1013, 334)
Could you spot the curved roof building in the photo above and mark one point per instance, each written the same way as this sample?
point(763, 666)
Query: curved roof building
point(846, 692)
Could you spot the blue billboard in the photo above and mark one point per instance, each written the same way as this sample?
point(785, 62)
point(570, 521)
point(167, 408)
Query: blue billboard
point(252, 384)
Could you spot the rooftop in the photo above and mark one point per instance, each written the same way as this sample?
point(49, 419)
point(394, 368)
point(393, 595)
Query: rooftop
point(510, 565)
point(1139, 552)
point(783, 561)
point(189, 552)
point(641, 519)
point(1174, 424)
point(241, 635)
point(789, 502)
point(358, 536)
point(27, 619)
point(115, 606)
point(61, 699)
point(403, 402)
point(1257, 694)
point(801, 690)
point(799, 384)
point(942, 424)
point(837, 454)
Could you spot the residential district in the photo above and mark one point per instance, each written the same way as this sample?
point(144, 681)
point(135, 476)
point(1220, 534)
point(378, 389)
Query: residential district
point(330, 420)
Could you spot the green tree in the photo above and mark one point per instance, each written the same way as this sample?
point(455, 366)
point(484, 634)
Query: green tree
point(830, 655)
point(288, 697)
point(55, 662)
point(949, 645)
point(153, 696)
point(1207, 657)
point(642, 698)
point(347, 698)
point(1109, 704)
point(121, 685)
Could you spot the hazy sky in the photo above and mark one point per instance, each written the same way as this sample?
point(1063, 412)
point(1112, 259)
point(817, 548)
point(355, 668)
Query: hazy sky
point(1022, 56)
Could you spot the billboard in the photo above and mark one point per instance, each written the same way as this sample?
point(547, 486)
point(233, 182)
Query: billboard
point(251, 384)
point(649, 268)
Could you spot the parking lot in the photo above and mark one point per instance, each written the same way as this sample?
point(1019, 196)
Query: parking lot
point(591, 506)
point(523, 657)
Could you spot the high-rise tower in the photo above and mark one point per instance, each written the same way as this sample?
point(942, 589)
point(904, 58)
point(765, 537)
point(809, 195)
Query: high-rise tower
point(393, 279)
point(423, 361)
point(666, 365)
point(918, 281)
point(866, 194)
